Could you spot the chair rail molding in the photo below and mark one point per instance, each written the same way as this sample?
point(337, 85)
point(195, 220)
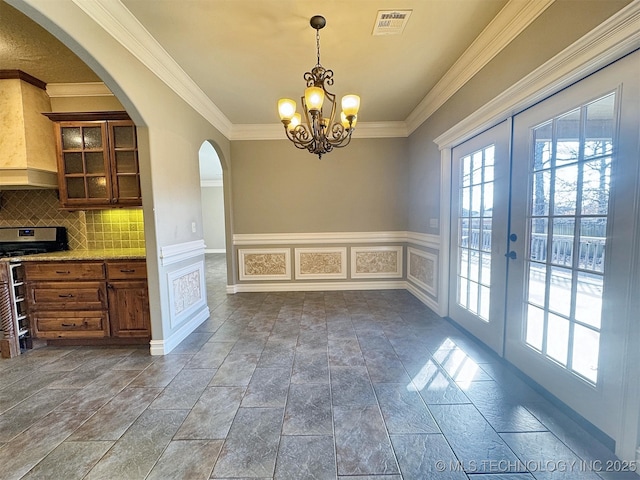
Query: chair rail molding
point(170, 254)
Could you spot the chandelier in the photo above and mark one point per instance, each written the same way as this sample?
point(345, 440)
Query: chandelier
point(319, 133)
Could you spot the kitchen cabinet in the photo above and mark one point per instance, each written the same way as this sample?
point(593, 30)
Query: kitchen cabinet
point(97, 160)
point(67, 299)
point(128, 299)
point(78, 301)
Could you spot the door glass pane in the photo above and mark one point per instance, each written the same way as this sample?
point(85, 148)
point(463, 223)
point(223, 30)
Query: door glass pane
point(542, 141)
point(539, 233)
point(599, 128)
point(73, 162)
point(537, 283)
point(124, 137)
point(560, 291)
point(564, 195)
point(97, 187)
point(585, 352)
point(535, 327)
point(92, 137)
point(75, 188)
point(558, 338)
point(95, 162)
point(71, 138)
point(562, 241)
point(570, 178)
point(568, 138)
point(593, 237)
point(541, 193)
point(128, 186)
point(126, 162)
point(589, 299)
point(474, 217)
point(596, 182)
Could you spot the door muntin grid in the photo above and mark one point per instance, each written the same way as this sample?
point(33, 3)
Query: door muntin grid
point(570, 179)
point(475, 184)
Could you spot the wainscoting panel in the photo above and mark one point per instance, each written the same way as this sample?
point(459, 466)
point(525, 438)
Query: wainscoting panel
point(187, 292)
point(264, 264)
point(422, 270)
point(376, 262)
point(340, 261)
point(321, 263)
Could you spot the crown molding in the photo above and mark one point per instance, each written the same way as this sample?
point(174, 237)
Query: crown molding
point(274, 131)
point(87, 89)
point(125, 28)
point(514, 17)
point(609, 41)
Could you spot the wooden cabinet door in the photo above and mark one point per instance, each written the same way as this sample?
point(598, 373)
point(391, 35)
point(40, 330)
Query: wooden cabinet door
point(83, 164)
point(125, 172)
point(129, 309)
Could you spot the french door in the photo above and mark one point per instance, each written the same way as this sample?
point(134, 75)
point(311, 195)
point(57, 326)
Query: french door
point(560, 205)
point(479, 207)
point(574, 174)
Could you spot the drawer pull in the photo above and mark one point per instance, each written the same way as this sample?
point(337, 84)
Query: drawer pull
point(68, 324)
point(63, 272)
point(130, 270)
point(68, 295)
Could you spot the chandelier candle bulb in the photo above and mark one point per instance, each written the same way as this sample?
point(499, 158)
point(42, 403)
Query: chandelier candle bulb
point(295, 121)
point(350, 104)
point(314, 98)
point(286, 108)
point(345, 121)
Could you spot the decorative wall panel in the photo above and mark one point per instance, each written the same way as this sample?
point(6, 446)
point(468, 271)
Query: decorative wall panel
point(186, 292)
point(319, 263)
point(376, 262)
point(423, 270)
point(265, 264)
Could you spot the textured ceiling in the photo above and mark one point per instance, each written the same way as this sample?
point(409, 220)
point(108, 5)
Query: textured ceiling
point(245, 54)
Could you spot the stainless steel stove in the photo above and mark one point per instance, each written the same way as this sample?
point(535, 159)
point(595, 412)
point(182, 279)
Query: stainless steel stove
point(15, 242)
point(20, 241)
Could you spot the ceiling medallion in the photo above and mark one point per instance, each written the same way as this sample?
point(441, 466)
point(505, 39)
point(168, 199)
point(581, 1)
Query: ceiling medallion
point(319, 134)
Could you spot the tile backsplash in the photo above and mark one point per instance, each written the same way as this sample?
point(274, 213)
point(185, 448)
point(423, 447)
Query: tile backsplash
point(115, 228)
point(92, 229)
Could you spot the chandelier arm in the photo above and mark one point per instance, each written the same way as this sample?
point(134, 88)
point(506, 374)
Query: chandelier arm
point(299, 136)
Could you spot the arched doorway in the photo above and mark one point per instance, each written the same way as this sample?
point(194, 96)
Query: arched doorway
point(213, 219)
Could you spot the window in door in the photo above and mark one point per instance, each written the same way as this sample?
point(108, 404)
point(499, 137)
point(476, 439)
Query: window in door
point(569, 178)
point(474, 238)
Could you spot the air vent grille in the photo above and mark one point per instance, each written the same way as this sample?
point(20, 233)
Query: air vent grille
point(391, 22)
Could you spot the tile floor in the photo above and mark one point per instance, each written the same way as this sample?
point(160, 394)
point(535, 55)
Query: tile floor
point(321, 385)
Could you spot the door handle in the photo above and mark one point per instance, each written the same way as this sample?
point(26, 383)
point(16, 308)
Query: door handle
point(511, 255)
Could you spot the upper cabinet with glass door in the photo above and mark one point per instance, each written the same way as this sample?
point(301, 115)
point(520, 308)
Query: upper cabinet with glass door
point(97, 160)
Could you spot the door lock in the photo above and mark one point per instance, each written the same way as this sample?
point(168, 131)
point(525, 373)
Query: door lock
point(512, 255)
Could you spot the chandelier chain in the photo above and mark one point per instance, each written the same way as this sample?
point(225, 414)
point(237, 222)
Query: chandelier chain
point(318, 45)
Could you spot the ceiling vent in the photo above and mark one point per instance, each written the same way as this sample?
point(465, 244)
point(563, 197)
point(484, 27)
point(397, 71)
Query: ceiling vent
point(391, 22)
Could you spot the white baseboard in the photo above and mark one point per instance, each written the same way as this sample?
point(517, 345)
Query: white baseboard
point(162, 347)
point(423, 297)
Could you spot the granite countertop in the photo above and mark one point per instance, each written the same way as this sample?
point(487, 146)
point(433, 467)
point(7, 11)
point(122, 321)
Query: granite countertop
point(106, 254)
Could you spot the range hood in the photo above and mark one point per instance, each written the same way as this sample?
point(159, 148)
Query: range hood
point(27, 138)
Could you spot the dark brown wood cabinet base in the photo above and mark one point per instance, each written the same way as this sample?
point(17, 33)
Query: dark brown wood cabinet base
point(89, 302)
